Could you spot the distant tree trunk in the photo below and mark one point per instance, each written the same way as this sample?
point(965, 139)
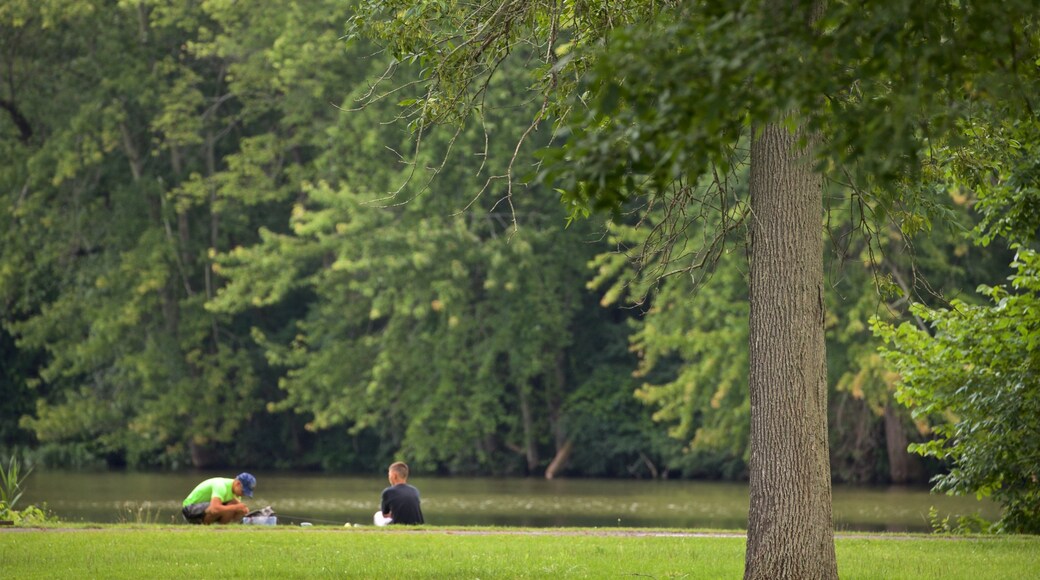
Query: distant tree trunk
point(563, 454)
point(902, 466)
point(790, 533)
point(202, 456)
point(214, 237)
point(856, 440)
point(564, 444)
point(530, 442)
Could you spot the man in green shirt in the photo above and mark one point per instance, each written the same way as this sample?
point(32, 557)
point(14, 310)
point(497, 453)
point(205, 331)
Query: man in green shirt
point(218, 500)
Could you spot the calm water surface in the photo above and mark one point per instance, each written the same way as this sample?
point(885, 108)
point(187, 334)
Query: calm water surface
point(335, 499)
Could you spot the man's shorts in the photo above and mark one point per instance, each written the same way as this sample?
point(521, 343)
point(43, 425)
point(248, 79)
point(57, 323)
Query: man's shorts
point(195, 512)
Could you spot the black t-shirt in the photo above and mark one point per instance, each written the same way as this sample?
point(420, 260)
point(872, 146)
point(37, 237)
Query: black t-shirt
point(402, 502)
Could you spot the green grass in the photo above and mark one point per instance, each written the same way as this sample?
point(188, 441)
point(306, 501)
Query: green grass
point(157, 551)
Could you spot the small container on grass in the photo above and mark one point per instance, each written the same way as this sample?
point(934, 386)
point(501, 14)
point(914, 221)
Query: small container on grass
point(260, 520)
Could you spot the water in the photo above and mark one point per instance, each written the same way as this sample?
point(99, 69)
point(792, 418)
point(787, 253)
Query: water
point(335, 499)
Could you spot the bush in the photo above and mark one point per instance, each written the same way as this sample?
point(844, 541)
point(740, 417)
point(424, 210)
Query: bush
point(12, 486)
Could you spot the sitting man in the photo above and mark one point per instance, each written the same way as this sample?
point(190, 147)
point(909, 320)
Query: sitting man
point(218, 500)
point(399, 503)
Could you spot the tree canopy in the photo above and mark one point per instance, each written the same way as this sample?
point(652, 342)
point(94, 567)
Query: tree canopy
point(217, 245)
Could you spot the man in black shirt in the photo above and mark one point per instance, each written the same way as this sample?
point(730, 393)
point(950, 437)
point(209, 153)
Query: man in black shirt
point(399, 503)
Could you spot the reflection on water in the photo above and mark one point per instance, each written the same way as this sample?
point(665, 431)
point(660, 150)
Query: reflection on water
point(332, 499)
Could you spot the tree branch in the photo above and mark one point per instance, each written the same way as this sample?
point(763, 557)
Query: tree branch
point(19, 120)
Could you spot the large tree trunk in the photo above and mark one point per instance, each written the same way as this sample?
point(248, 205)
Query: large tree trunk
point(790, 533)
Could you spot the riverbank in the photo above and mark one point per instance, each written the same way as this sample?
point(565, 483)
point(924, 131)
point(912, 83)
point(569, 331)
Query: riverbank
point(126, 497)
point(134, 551)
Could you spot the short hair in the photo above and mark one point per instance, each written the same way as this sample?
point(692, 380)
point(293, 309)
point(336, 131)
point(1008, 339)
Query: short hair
point(400, 468)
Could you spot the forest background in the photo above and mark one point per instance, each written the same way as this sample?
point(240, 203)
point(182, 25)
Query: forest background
point(212, 254)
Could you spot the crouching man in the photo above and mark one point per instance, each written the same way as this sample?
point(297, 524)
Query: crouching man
point(219, 500)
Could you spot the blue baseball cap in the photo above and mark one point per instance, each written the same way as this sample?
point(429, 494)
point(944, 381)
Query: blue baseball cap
point(248, 483)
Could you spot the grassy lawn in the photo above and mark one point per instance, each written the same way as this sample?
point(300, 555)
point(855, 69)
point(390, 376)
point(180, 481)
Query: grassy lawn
point(135, 551)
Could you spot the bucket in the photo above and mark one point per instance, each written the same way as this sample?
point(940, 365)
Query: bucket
point(260, 520)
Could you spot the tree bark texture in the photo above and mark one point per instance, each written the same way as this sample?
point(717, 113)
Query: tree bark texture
point(790, 532)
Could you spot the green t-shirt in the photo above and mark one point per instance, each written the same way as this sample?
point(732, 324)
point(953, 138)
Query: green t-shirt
point(211, 488)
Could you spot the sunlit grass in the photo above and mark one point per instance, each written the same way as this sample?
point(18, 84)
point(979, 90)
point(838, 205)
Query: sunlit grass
point(938, 557)
point(135, 551)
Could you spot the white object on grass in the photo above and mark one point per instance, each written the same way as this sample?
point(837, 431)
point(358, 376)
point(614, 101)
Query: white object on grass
point(379, 520)
point(260, 520)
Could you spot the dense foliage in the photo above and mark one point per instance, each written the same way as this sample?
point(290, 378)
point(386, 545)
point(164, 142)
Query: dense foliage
point(204, 261)
point(877, 98)
point(215, 249)
point(979, 372)
point(973, 370)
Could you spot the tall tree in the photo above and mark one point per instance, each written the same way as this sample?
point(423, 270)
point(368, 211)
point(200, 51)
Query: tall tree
point(789, 431)
point(850, 93)
point(790, 534)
